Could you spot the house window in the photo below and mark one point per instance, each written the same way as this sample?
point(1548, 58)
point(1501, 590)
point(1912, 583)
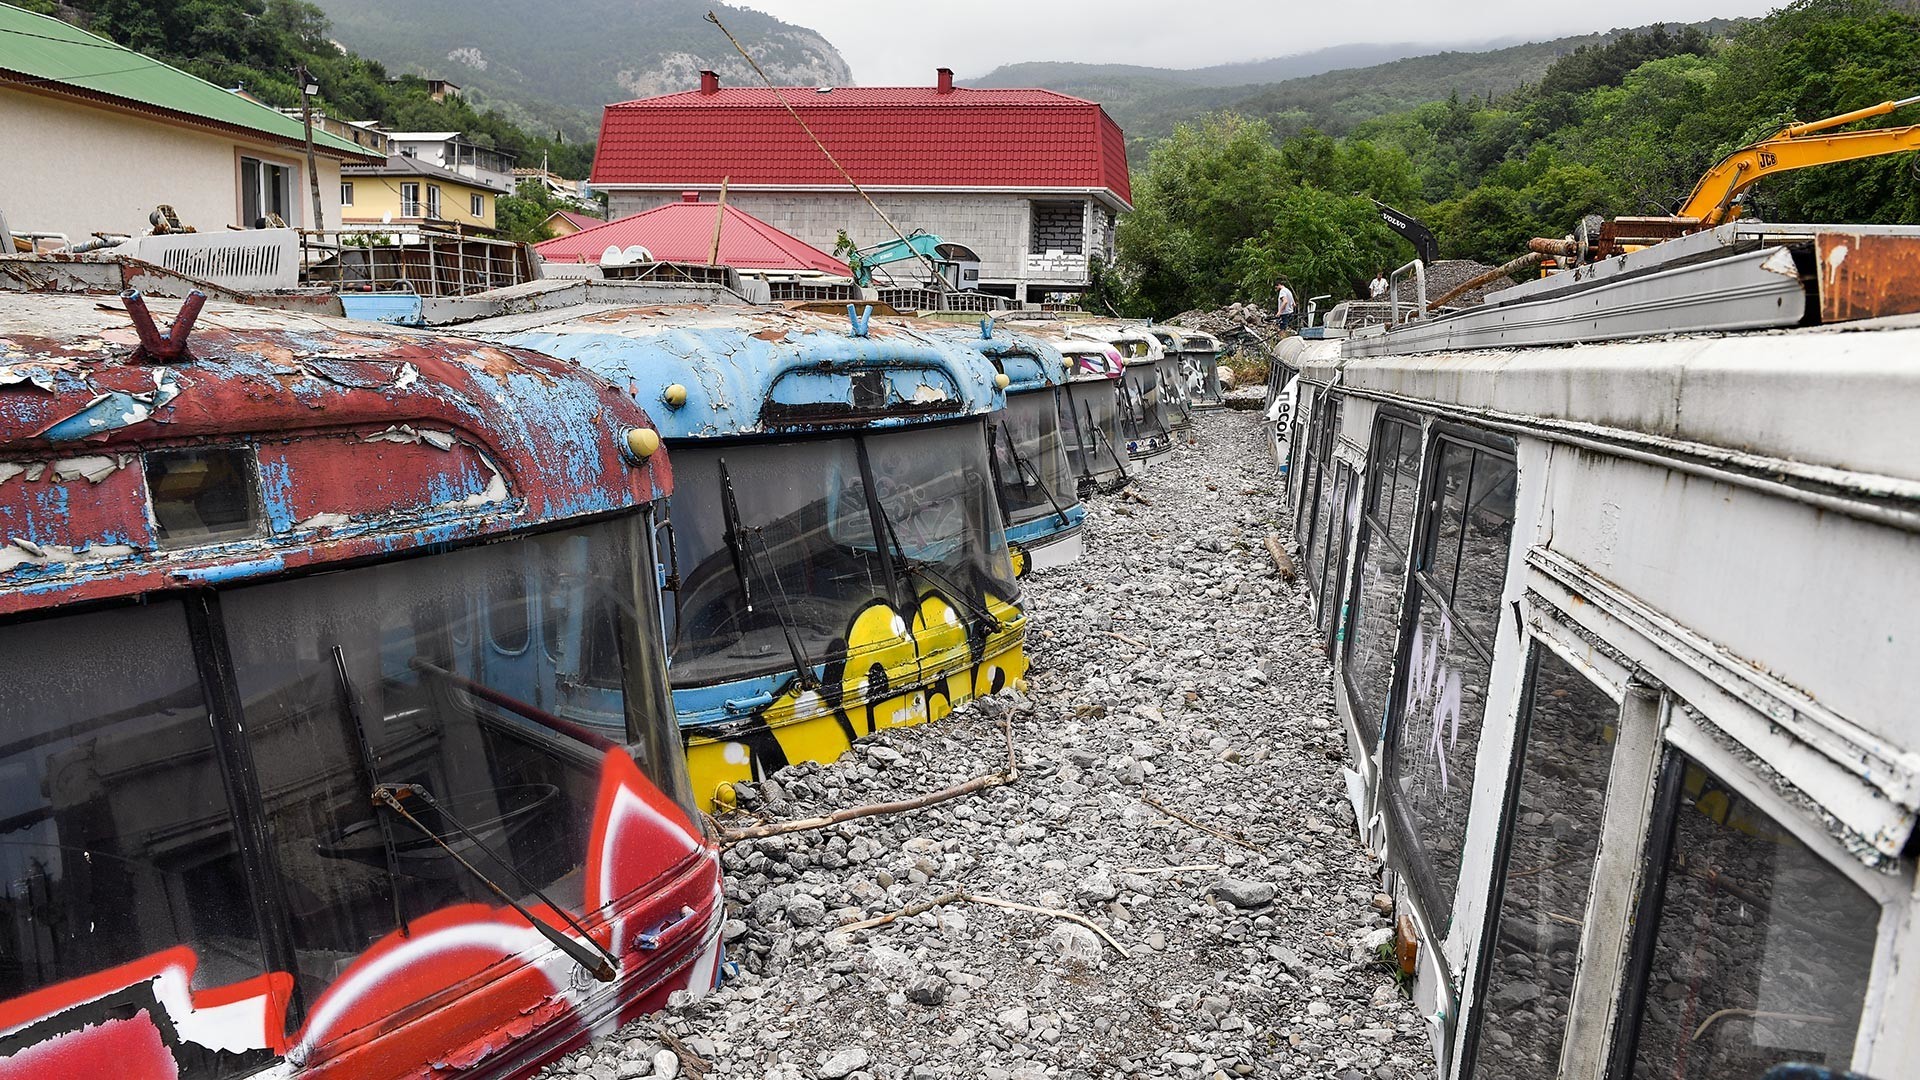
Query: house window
point(479, 204)
point(265, 188)
point(1058, 227)
point(1461, 570)
point(410, 199)
point(433, 200)
point(346, 193)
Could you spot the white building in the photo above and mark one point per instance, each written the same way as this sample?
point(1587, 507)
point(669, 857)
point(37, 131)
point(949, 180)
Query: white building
point(97, 136)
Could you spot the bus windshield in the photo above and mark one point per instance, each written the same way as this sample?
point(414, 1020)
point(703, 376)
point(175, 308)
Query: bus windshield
point(1034, 478)
point(802, 555)
point(1094, 417)
point(470, 673)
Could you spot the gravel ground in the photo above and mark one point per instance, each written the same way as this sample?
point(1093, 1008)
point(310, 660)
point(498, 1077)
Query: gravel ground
point(1172, 665)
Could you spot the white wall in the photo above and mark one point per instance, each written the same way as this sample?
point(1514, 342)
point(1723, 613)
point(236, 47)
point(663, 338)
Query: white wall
point(81, 169)
point(994, 225)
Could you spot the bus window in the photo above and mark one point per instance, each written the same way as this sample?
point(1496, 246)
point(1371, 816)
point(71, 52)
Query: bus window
point(117, 840)
point(203, 495)
point(1393, 477)
point(1443, 695)
point(1553, 837)
point(488, 738)
point(1762, 950)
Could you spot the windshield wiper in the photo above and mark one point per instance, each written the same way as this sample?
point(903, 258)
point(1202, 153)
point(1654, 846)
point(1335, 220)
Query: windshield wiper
point(978, 611)
point(350, 704)
point(599, 963)
point(743, 568)
point(1026, 467)
point(1111, 452)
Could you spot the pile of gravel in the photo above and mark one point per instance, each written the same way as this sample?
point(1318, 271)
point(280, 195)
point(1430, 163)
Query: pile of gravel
point(1171, 664)
point(1446, 275)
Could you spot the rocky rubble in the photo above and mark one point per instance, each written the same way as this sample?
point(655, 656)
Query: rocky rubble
point(1174, 676)
point(1240, 327)
point(1446, 275)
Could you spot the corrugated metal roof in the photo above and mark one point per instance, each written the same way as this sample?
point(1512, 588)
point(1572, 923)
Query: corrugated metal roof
point(403, 164)
point(683, 232)
point(55, 54)
point(885, 136)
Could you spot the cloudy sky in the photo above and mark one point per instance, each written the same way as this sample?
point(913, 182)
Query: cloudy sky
point(887, 44)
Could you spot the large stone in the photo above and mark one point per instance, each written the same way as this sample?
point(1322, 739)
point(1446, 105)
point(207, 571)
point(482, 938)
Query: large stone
point(1244, 894)
point(838, 1063)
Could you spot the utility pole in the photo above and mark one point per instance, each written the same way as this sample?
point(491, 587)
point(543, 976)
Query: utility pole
point(308, 91)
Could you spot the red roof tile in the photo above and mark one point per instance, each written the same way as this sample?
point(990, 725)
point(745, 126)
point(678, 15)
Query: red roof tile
point(885, 136)
point(683, 232)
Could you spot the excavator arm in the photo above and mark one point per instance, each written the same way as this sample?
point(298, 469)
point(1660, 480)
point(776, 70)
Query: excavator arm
point(1795, 147)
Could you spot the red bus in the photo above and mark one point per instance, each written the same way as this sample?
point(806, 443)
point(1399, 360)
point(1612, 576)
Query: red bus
point(313, 632)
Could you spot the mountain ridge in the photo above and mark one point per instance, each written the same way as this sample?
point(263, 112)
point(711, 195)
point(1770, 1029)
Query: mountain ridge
point(556, 65)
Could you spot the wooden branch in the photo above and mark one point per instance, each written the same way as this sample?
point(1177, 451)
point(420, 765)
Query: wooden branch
point(1281, 560)
point(695, 1065)
point(960, 896)
point(1145, 870)
point(1177, 816)
point(994, 901)
point(932, 798)
point(1117, 636)
point(907, 912)
point(1129, 493)
point(778, 828)
point(1531, 258)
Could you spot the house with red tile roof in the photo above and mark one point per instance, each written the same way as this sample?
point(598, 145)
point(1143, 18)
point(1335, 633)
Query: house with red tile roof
point(683, 232)
point(1032, 181)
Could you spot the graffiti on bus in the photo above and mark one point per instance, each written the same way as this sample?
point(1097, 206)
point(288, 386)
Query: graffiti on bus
point(449, 990)
point(898, 668)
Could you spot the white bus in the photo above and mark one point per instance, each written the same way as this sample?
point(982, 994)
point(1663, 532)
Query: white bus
point(1625, 639)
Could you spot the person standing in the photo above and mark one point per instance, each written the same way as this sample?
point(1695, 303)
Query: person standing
point(1285, 307)
point(1377, 288)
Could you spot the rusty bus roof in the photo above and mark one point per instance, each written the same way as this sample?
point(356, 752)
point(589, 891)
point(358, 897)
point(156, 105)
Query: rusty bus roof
point(429, 438)
point(762, 370)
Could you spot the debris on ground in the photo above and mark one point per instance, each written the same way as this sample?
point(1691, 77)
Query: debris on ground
point(1171, 887)
point(1240, 327)
point(1444, 276)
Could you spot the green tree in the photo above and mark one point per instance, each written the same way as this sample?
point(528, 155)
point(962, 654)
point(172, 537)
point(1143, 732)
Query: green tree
point(522, 215)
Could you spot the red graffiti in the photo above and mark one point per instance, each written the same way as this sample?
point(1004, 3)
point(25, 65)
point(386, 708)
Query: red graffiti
point(471, 988)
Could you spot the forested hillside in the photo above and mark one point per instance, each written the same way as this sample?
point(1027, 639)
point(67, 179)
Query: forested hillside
point(1227, 206)
point(1329, 90)
point(557, 63)
point(258, 44)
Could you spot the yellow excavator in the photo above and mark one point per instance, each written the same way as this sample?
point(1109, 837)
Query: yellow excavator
point(1797, 146)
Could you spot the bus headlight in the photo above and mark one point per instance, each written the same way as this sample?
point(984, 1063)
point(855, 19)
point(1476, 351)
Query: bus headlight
point(642, 442)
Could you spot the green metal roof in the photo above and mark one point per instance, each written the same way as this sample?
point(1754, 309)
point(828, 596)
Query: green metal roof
point(55, 53)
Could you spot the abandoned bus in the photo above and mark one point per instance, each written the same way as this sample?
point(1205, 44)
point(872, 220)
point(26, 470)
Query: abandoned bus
point(1176, 375)
point(1623, 657)
point(1090, 410)
point(838, 563)
point(336, 731)
point(1201, 353)
point(1143, 412)
point(1036, 481)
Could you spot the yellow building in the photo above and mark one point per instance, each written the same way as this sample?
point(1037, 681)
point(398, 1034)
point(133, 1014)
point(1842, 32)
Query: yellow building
point(407, 191)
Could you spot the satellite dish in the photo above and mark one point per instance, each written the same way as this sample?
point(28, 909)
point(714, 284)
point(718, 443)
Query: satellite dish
point(633, 253)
